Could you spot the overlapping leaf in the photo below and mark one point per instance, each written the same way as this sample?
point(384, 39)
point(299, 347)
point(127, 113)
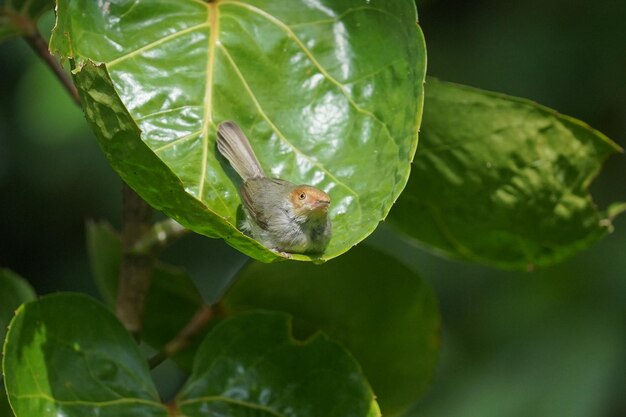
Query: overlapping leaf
point(251, 365)
point(19, 17)
point(502, 181)
point(67, 355)
point(330, 95)
point(383, 313)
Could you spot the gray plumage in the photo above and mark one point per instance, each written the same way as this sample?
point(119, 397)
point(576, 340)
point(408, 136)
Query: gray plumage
point(233, 144)
point(281, 215)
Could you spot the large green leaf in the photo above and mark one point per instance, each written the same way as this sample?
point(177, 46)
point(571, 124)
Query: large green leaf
point(330, 95)
point(19, 17)
point(67, 355)
point(172, 300)
point(382, 312)
point(501, 180)
point(14, 290)
point(251, 365)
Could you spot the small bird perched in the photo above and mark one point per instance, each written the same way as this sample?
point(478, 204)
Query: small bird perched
point(281, 215)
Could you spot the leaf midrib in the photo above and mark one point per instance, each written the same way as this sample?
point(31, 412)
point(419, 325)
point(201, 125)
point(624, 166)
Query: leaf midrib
point(213, 23)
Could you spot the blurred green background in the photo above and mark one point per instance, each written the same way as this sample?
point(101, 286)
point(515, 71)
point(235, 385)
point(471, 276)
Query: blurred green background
point(546, 343)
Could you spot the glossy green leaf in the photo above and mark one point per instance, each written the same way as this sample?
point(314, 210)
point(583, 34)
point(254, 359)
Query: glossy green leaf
point(501, 180)
point(14, 290)
point(19, 17)
point(330, 95)
point(383, 313)
point(172, 300)
point(251, 365)
point(67, 355)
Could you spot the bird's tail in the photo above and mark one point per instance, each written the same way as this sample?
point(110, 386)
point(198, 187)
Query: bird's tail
point(233, 144)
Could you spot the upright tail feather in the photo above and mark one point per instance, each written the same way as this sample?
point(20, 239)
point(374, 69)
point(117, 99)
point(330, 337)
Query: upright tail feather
point(233, 144)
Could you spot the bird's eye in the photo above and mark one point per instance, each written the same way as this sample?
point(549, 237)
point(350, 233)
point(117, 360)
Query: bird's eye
point(302, 196)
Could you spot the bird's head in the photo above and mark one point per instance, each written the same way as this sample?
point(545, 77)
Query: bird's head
point(309, 201)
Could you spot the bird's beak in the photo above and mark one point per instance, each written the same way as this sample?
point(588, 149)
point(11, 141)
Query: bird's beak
point(321, 205)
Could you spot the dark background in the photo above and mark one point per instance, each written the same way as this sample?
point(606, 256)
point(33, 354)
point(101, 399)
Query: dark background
point(547, 343)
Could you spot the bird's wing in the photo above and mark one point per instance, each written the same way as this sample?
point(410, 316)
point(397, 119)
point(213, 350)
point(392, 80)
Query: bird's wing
point(262, 196)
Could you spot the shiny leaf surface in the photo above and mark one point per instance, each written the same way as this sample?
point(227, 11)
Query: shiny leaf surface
point(251, 365)
point(67, 355)
point(172, 299)
point(383, 313)
point(329, 94)
point(19, 17)
point(14, 290)
point(501, 180)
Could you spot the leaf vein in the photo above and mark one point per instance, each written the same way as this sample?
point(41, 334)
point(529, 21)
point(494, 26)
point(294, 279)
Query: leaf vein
point(314, 61)
point(154, 44)
point(162, 112)
point(212, 23)
point(253, 406)
point(341, 16)
point(177, 140)
point(207, 120)
point(277, 131)
point(109, 403)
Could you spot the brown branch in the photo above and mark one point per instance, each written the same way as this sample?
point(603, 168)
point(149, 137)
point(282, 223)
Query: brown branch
point(136, 267)
point(39, 45)
point(184, 338)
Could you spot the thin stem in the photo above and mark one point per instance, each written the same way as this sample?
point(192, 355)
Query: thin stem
point(159, 236)
point(39, 45)
point(184, 338)
point(136, 268)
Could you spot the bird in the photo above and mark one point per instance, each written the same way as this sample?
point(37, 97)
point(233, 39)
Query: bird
point(285, 217)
